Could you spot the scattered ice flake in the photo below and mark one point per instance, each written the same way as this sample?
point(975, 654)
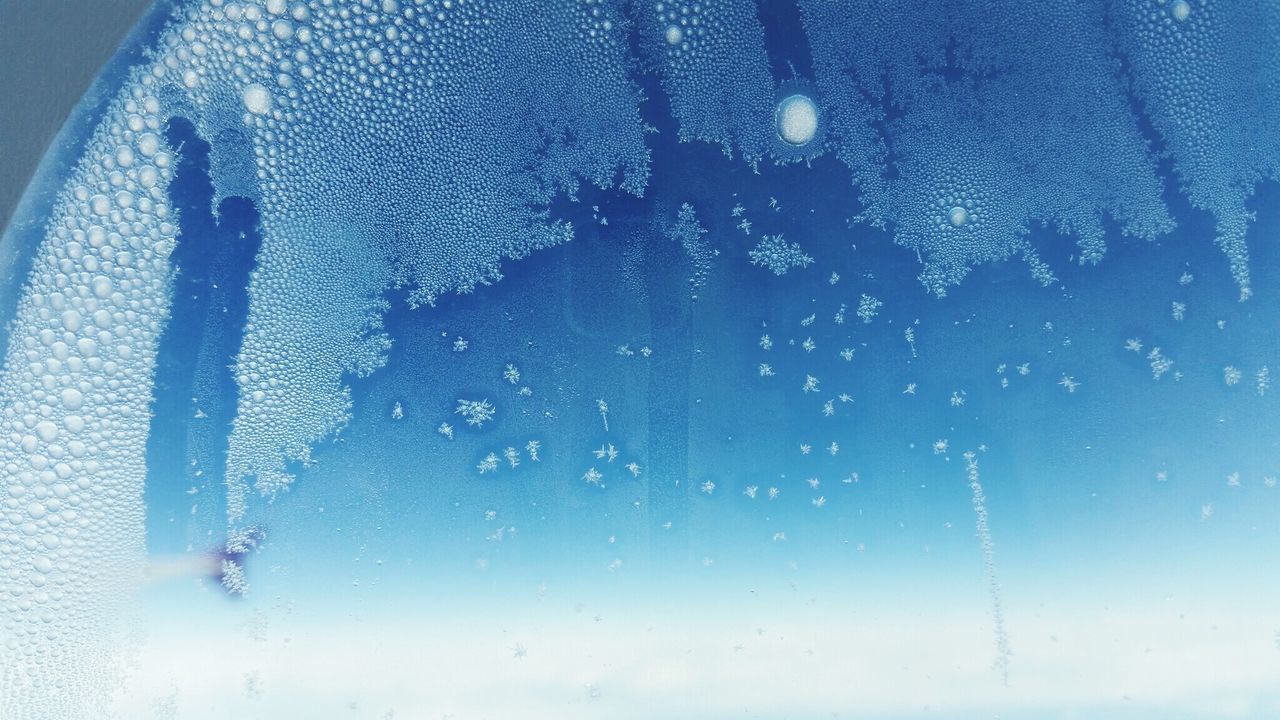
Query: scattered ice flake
point(868, 308)
point(1179, 311)
point(476, 412)
point(766, 370)
point(606, 451)
point(1231, 375)
point(459, 345)
point(533, 447)
point(446, 430)
point(488, 464)
point(810, 384)
point(1262, 381)
point(707, 487)
point(766, 342)
point(397, 411)
point(603, 408)
point(1069, 383)
point(1133, 345)
point(593, 477)
point(511, 374)
point(1159, 363)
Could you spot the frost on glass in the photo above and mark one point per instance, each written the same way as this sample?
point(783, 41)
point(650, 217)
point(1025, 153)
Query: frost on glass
point(410, 149)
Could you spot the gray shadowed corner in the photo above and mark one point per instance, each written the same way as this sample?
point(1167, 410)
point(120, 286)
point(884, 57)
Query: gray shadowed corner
point(50, 51)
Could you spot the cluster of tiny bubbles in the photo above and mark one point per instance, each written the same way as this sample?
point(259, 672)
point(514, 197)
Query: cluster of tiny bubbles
point(684, 26)
point(316, 85)
point(959, 211)
point(946, 216)
point(711, 59)
point(404, 144)
point(1207, 74)
point(1018, 130)
point(75, 393)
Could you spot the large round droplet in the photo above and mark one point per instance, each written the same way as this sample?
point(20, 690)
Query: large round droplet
point(674, 35)
point(1180, 9)
point(958, 216)
point(797, 119)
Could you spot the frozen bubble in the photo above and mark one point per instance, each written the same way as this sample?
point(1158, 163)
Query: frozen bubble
point(257, 99)
point(1181, 10)
point(148, 144)
point(101, 286)
point(674, 35)
point(958, 216)
point(72, 399)
point(47, 431)
point(797, 119)
point(71, 320)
